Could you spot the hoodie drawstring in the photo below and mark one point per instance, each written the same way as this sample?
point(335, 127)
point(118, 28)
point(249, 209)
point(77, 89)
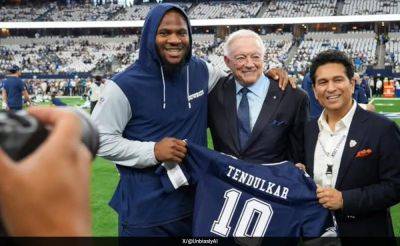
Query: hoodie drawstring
point(187, 87)
point(163, 83)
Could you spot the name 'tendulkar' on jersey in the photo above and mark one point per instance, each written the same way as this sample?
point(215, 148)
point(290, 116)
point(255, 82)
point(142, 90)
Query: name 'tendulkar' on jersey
point(257, 182)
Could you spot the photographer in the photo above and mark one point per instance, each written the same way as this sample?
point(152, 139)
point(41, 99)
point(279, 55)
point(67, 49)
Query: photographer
point(47, 193)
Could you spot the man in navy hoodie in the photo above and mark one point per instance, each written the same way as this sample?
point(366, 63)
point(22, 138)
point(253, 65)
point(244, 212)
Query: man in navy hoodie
point(143, 115)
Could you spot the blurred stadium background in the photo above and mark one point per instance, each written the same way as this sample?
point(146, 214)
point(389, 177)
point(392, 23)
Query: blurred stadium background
point(61, 45)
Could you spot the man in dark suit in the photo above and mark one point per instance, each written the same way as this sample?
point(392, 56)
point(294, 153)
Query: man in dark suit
point(250, 117)
point(351, 153)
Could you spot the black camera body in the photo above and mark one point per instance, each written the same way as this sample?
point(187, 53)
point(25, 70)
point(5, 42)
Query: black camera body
point(21, 133)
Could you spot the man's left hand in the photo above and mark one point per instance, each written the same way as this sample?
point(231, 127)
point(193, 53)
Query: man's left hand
point(282, 77)
point(330, 198)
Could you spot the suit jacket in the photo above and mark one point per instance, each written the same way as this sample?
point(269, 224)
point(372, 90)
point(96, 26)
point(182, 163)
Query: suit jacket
point(369, 180)
point(278, 133)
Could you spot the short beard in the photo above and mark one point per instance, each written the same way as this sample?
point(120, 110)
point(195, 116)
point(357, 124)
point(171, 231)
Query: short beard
point(172, 68)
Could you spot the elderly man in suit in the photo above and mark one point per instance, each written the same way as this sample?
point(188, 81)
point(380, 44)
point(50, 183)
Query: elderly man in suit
point(351, 153)
point(249, 116)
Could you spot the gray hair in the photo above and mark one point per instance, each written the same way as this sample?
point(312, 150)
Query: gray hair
point(243, 33)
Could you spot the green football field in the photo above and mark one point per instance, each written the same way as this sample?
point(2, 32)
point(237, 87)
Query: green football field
point(105, 179)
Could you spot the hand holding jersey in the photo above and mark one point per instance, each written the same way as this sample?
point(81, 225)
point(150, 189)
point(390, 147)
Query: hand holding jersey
point(170, 150)
point(330, 198)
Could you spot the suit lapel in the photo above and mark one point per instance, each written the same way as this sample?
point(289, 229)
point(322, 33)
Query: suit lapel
point(268, 108)
point(229, 106)
point(356, 133)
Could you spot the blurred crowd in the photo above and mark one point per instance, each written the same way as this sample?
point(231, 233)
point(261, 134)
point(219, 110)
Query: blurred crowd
point(60, 87)
point(202, 10)
point(66, 55)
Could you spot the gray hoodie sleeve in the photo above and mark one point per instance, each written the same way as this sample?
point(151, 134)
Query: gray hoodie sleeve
point(214, 74)
point(111, 114)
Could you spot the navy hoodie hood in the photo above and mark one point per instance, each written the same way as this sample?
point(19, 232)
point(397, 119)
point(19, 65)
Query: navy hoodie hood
point(148, 55)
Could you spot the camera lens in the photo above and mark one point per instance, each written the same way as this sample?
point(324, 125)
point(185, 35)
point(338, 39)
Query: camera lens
point(21, 133)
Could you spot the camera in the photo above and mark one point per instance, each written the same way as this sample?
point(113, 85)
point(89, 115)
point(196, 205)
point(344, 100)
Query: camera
point(21, 133)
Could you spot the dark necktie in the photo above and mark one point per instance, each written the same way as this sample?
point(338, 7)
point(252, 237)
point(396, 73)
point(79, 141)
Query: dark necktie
point(243, 114)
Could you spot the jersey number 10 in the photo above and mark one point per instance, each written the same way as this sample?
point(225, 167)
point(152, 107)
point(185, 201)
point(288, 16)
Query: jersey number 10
point(251, 208)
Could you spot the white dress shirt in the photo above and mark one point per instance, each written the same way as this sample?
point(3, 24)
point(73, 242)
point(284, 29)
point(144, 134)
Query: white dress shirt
point(330, 145)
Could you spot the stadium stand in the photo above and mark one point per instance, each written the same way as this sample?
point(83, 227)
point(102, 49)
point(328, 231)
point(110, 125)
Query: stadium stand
point(203, 45)
point(371, 7)
point(54, 11)
point(217, 57)
point(139, 12)
point(55, 54)
point(215, 10)
point(393, 50)
point(79, 12)
point(300, 8)
point(66, 55)
point(23, 13)
point(361, 46)
point(277, 48)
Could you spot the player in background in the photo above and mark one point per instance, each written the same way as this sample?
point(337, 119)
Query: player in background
point(56, 101)
point(360, 95)
point(13, 90)
point(95, 90)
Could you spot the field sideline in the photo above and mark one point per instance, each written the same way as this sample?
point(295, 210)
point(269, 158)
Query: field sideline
point(105, 179)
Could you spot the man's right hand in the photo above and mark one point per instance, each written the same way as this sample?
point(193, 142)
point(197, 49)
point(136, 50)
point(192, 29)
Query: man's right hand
point(170, 150)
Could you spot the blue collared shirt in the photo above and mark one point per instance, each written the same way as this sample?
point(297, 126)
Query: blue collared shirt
point(256, 96)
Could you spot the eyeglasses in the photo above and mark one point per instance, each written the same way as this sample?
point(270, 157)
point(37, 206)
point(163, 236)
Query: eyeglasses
point(243, 59)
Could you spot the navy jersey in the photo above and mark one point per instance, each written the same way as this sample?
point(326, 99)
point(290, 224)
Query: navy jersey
point(235, 198)
point(14, 87)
